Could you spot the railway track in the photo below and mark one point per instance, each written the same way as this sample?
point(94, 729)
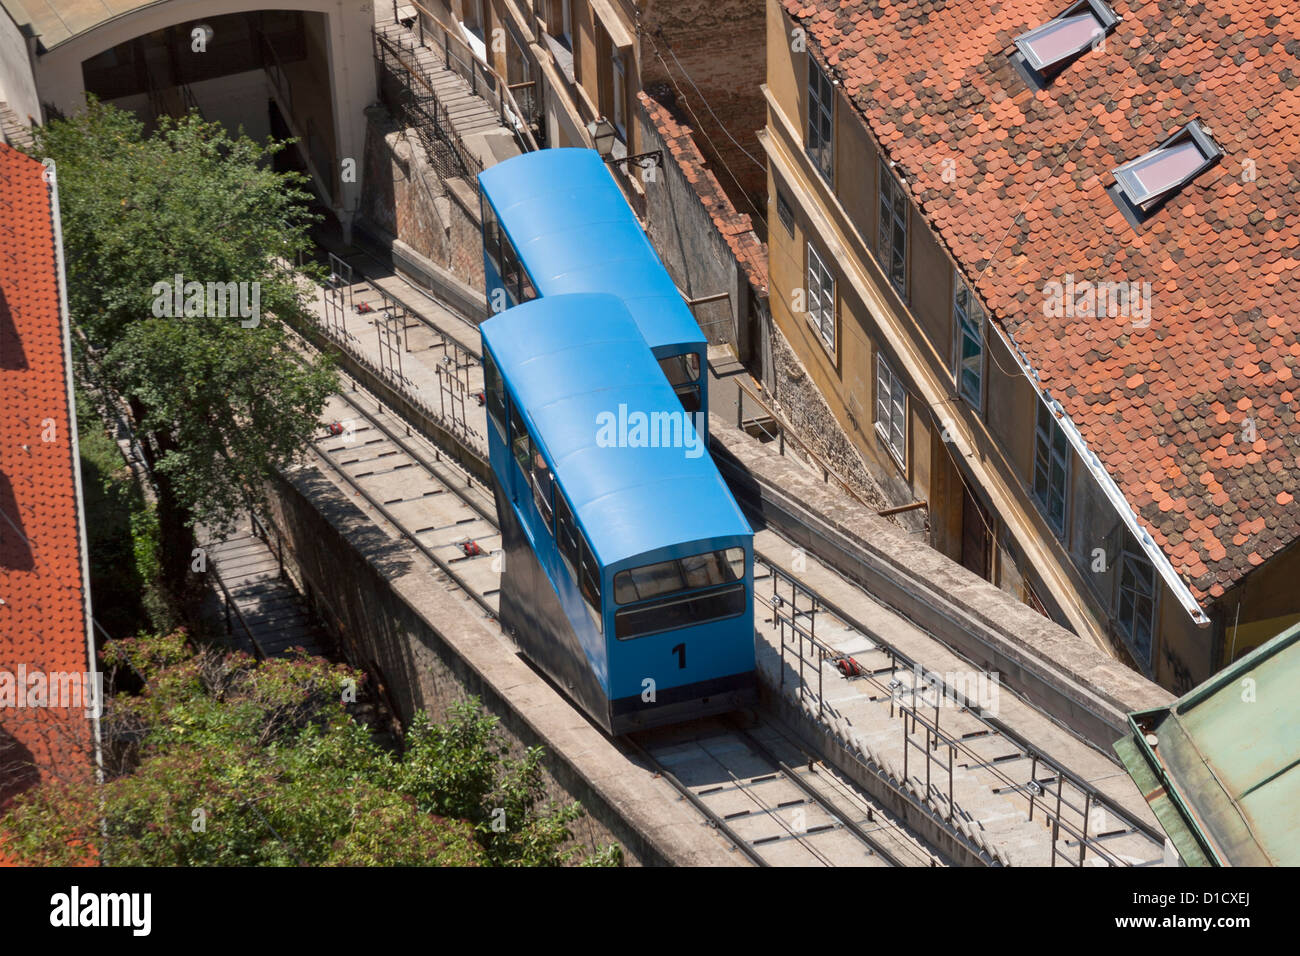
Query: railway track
point(774, 803)
point(946, 727)
point(441, 511)
point(815, 817)
point(437, 507)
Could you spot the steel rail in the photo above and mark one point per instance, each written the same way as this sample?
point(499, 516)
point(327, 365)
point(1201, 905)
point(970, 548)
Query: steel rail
point(797, 779)
point(714, 820)
point(991, 722)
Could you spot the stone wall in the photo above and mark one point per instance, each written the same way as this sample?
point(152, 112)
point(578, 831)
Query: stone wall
point(707, 246)
point(415, 667)
point(795, 396)
point(405, 196)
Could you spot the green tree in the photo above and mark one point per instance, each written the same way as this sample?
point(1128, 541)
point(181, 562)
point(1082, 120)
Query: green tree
point(220, 760)
point(220, 406)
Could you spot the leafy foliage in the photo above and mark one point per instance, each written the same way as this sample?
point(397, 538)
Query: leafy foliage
point(224, 761)
point(223, 406)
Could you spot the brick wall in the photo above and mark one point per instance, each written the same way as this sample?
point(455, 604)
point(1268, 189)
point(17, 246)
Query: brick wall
point(719, 45)
point(404, 196)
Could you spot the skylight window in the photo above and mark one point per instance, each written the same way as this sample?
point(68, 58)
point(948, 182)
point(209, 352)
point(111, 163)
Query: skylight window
point(1149, 179)
point(1048, 48)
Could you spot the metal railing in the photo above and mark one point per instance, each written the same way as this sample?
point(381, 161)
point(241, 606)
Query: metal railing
point(418, 108)
point(230, 607)
point(459, 57)
point(275, 72)
point(391, 321)
point(795, 621)
point(779, 429)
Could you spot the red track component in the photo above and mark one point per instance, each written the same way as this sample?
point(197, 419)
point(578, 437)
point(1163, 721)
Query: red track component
point(849, 667)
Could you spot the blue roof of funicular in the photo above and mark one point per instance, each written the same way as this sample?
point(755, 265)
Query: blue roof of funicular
point(576, 233)
point(568, 359)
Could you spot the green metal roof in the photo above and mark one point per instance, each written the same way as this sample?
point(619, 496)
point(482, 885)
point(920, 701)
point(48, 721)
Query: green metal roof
point(1223, 776)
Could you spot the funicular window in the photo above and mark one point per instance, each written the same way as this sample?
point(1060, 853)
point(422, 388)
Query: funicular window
point(679, 593)
point(510, 268)
point(496, 394)
point(589, 582)
point(491, 236)
point(566, 533)
point(542, 483)
point(520, 442)
point(683, 372)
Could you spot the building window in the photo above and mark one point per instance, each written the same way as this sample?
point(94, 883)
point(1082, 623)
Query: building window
point(1051, 468)
point(620, 96)
point(1048, 48)
point(891, 411)
point(821, 117)
point(891, 243)
point(1137, 603)
point(968, 318)
point(1148, 180)
point(562, 21)
point(821, 298)
point(785, 213)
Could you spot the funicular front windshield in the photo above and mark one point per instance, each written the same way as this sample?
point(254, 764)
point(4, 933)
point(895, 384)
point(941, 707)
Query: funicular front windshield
point(679, 592)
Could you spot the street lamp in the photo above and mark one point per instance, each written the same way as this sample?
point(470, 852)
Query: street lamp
point(603, 134)
point(602, 131)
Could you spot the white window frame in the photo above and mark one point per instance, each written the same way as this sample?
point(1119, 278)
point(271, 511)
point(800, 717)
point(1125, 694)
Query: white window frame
point(1044, 438)
point(965, 326)
point(893, 211)
point(821, 107)
point(891, 411)
point(821, 298)
point(1130, 633)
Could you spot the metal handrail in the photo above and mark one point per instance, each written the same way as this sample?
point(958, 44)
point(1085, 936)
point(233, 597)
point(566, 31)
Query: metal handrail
point(478, 73)
point(230, 605)
point(422, 110)
point(936, 737)
point(784, 428)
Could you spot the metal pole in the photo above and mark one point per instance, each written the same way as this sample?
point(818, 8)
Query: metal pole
point(927, 763)
point(1033, 777)
point(1083, 841)
point(950, 750)
point(906, 747)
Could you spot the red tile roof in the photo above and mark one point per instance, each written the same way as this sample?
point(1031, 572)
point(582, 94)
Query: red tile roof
point(736, 228)
point(43, 615)
point(1165, 407)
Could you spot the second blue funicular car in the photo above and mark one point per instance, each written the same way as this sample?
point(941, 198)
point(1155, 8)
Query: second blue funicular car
point(554, 223)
